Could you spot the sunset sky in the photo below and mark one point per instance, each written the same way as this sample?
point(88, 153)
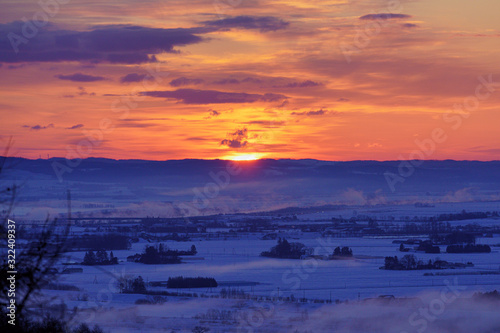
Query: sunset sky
point(242, 79)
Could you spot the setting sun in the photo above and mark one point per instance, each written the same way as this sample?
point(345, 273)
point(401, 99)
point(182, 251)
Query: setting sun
point(243, 157)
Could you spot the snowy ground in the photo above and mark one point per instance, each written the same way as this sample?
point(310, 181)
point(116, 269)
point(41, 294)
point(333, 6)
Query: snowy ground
point(239, 260)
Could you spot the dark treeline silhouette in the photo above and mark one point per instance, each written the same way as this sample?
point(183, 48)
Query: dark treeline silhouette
point(286, 250)
point(402, 248)
point(465, 216)
point(232, 293)
point(151, 299)
point(133, 286)
point(342, 252)
point(469, 248)
point(187, 282)
point(410, 262)
point(161, 254)
point(154, 255)
point(428, 247)
point(490, 296)
point(460, 238)
point(101, 257)
point(99, 242)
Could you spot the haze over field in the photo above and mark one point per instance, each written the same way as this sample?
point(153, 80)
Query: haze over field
point(136, 188)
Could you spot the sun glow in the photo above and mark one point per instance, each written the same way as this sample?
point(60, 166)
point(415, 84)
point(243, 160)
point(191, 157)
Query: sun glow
point(243, 157)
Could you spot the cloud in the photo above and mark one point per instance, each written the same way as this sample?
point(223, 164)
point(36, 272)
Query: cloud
point(319, 112)
point(214, 113)
point(227, 81)
point(237, 139)
point(83, 92)
point(38, 127)
point(184, 81)
point(193, 96)
point(146, 119)
point(75, 126)
point(384, 16)
point(443, 77)
point(251, 80)
point(476, 35)
point(123, 44)
point(409, 25)
point(79, 77)
point(133, 124)
point(266, 123)
point(262, 23)
point(134, 77)
point(196, 138)
point(15, 66)
point(303, 84)
point(482, 149)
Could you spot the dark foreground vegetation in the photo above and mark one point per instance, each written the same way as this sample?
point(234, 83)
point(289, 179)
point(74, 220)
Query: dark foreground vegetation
point(47, 325)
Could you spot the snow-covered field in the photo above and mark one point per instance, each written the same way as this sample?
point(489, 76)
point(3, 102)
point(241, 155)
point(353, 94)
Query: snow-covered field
point(238, 260)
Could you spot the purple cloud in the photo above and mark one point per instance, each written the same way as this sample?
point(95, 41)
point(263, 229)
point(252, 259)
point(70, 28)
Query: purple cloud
point(75, 127)
point(319, 112)
point(384, 16)
point(238, 139)
point(114, 44)
point(410, 25)
point(303, 84)
point(214, 113)
point(193, 96)
point(134, 77)
point(262, 23)
point(79, 77)
point(227, 81)
point(38, 127)
point(184, 81)
point(251, 80)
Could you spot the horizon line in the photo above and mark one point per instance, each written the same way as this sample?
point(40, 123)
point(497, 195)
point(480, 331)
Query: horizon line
point(246, 161)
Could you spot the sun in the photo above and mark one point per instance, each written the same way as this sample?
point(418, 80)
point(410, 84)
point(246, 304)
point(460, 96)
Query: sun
point(243, 157)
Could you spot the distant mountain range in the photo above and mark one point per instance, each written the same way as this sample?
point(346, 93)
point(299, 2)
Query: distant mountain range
point(223, 186)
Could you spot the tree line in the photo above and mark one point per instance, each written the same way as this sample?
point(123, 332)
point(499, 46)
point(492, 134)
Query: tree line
point(161, 254)
point(98, 242)
point(469, 248)
point(188, 282)
point(286, 250)
point(410, 262)
point(101, 257)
